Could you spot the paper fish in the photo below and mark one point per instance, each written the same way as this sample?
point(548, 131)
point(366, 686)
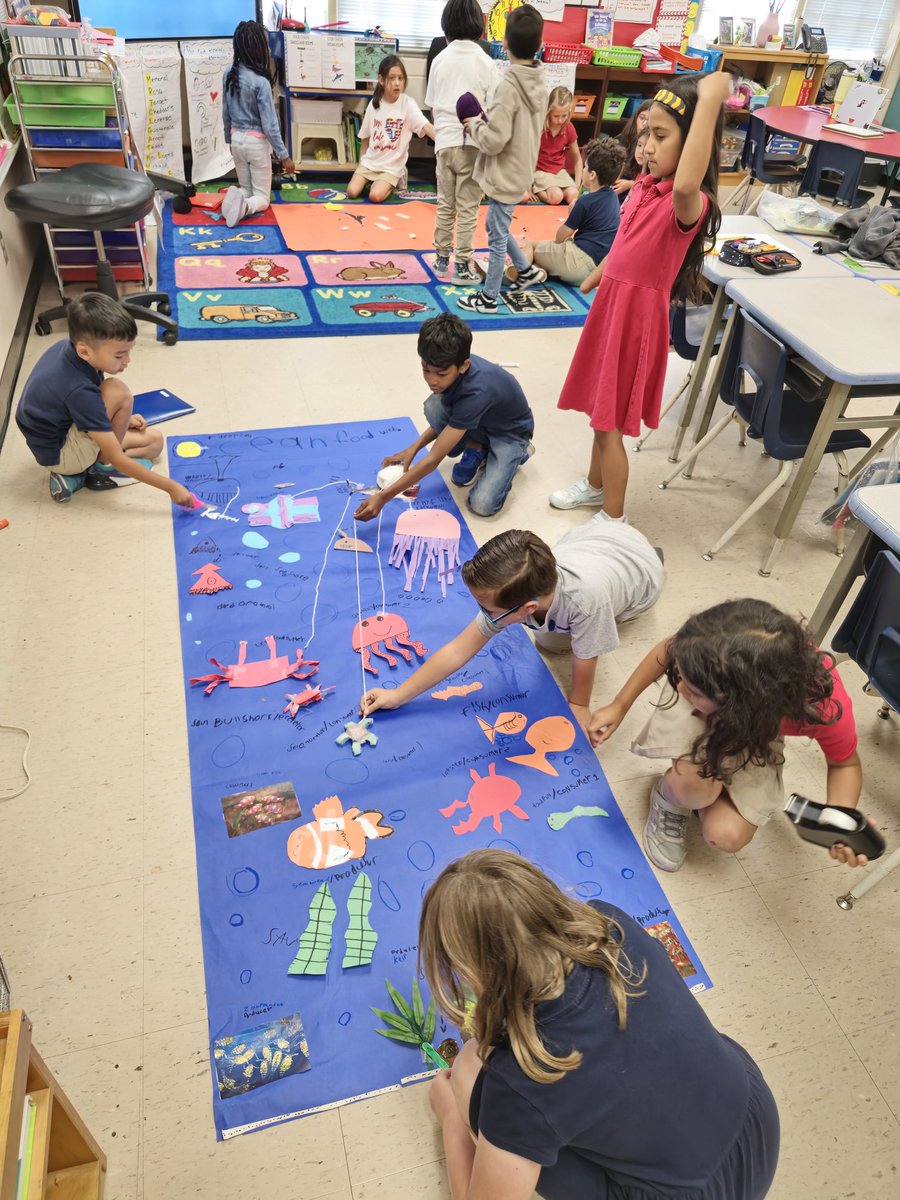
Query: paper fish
point(546, 736)
point(461, 689)
point(507, 723)
point(349, 543)
point(335, 836)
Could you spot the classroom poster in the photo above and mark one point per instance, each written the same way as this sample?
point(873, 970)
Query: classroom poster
point(303, 59)
point(160, 67)
point(316, 839)
point(639, 12)
point(134, 86)
point(205, 63)
point(339, 61)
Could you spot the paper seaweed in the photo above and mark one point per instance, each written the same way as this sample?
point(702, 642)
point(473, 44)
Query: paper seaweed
point(315, 940)
point(252, 1059)
point(410, 1023)
point(360, 938)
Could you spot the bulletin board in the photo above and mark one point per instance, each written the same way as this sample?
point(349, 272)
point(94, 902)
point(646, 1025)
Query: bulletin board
point(149, 21)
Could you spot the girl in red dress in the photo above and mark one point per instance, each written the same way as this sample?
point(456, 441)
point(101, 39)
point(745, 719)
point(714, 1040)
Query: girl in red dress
point(619, 366)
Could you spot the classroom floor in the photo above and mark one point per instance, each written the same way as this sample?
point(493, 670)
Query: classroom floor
point(99, 924)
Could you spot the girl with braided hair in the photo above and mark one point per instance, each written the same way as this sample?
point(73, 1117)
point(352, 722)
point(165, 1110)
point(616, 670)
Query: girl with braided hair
point(251, 124)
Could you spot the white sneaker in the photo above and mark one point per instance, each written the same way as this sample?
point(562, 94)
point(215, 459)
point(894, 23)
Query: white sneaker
point(579, 495)
point(665, 833)
point(234, 207)
point(604, 516)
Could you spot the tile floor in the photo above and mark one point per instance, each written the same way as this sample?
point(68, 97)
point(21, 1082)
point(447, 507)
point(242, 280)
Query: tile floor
point(98, 900)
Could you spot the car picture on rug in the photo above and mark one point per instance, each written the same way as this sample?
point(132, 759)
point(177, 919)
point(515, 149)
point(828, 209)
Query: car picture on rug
point(263, 314)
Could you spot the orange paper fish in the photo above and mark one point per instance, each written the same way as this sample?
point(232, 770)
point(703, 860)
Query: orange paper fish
point(335, 836)
point(546, 736)
point(507, 723)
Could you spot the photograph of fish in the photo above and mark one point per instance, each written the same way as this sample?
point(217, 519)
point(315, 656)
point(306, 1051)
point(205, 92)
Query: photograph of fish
point(245, 812)
point(664, 933)
point(252, 1059)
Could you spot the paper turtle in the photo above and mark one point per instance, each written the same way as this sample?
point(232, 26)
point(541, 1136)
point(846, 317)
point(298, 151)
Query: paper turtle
point(358, 734)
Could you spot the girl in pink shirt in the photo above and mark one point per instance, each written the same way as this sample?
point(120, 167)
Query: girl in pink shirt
point(741, 677)
point(619, 367)
point(557, 176)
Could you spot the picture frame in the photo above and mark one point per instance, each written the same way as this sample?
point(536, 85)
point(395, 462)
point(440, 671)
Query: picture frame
point(726, 31)
point(745, 31)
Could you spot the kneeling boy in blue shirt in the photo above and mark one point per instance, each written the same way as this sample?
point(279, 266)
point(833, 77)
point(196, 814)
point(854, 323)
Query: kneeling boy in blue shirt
point(79, 425)
point(476, 411)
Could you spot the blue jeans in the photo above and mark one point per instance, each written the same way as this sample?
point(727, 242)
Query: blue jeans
point(500, 243)
point(505, 454)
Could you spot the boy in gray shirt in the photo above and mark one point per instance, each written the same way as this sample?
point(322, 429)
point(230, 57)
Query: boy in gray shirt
point(598, 574)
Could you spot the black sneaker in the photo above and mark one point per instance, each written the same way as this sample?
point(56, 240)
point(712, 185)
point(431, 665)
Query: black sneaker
point(478, 302)
point(466, 274)
point(527, 279)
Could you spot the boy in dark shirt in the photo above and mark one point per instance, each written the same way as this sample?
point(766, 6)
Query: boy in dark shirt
point(587, 235)
point(79, 425)
point(477, 411)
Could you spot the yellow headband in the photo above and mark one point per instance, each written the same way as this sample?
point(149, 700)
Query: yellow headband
point(670, 100)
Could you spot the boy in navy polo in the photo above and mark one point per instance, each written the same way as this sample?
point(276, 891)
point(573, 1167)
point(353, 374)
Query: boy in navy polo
point(476, 411)
point(80, 425)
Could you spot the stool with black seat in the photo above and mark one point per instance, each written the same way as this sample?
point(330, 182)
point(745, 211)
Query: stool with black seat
point(95, 197)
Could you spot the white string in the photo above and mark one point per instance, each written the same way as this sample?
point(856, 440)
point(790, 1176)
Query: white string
point(362, 648)
point(25, 786)
point(378, 557)
point(325, 561)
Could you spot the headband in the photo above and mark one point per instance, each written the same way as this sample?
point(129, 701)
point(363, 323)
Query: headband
point(670, 100)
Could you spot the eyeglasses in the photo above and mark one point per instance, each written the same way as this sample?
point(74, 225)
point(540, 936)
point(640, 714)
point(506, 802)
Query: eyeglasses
point(508, 613)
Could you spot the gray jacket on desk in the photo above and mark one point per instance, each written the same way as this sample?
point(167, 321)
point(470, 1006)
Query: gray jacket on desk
point(868, 234)
point(509, 141)
point(251, 109)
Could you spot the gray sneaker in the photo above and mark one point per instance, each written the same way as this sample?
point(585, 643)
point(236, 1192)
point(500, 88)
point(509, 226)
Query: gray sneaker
point(442, 265)
point(465, 273)
point(665, 833)
point(579, 495)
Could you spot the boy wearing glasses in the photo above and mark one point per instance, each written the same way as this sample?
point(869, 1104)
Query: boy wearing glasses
point(571, 597)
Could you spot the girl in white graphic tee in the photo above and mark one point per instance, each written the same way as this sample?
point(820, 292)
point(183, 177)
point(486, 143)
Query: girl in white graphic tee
point(387, 129)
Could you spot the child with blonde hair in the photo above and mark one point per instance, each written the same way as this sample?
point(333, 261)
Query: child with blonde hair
point(593, 1072)
point(461, 67)
point(586, 236)
point(557, 175)
point(391, 119)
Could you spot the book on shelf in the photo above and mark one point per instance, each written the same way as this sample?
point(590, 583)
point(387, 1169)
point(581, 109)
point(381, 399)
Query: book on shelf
point(26, 1147)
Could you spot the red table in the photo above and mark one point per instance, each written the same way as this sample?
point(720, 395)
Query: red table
point(809, 125)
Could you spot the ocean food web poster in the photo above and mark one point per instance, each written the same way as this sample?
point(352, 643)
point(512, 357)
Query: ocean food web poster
point(316, 842)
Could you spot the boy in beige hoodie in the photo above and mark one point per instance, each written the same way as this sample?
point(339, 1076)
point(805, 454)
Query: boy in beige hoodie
point(508, 145)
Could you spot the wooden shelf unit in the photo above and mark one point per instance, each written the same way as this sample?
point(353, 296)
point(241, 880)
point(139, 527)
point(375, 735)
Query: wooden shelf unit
point(67, 1163)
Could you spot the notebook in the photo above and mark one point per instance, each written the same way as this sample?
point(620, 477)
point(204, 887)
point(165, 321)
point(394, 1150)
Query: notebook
point(161, 405)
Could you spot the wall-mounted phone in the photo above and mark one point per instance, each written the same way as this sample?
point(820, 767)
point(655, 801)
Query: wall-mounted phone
point(812, 39)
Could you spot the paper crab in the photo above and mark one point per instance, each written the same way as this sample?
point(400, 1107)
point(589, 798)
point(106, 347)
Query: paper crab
point(258, 673)
point(357, 733)
point(309, 695)
point(380, 634)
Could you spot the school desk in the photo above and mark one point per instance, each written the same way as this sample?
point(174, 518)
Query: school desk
point(809, 125)
point(814, 266)
point(847, 329)
point(878, 512)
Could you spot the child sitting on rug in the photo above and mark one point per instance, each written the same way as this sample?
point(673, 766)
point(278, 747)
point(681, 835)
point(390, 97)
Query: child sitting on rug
point(741, 677)
point(251, 124)
point(80, 426)
point(557, 175)
point(462, 67)
point(571, 598)
point(391, 119)
point(585, 1039)
point(587, 235)
point(476, 411)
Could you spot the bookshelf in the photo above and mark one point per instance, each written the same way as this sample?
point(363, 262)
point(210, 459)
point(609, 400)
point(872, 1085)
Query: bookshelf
point(67, 1163)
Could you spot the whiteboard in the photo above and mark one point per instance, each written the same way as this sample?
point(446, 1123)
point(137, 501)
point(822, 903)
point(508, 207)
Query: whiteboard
point(148, 19)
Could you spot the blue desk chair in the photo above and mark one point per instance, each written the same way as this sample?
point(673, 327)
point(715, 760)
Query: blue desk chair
point(835, 171)
point(775, 171)
point(778, 409)
point(869, 634)
point(687, 324)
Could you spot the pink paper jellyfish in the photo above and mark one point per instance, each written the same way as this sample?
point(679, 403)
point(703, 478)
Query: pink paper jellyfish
point(430, 534)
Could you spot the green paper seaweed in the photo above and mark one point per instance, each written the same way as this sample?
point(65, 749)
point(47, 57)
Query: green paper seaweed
point(411, 1023)
point(315, 941)
point(360, 938)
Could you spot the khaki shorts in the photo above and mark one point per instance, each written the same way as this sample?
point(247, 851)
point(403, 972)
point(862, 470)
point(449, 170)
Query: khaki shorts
point(377, 176)
point(564, 260)
point(79, 451)
point(544, 180)
point(756, 792)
